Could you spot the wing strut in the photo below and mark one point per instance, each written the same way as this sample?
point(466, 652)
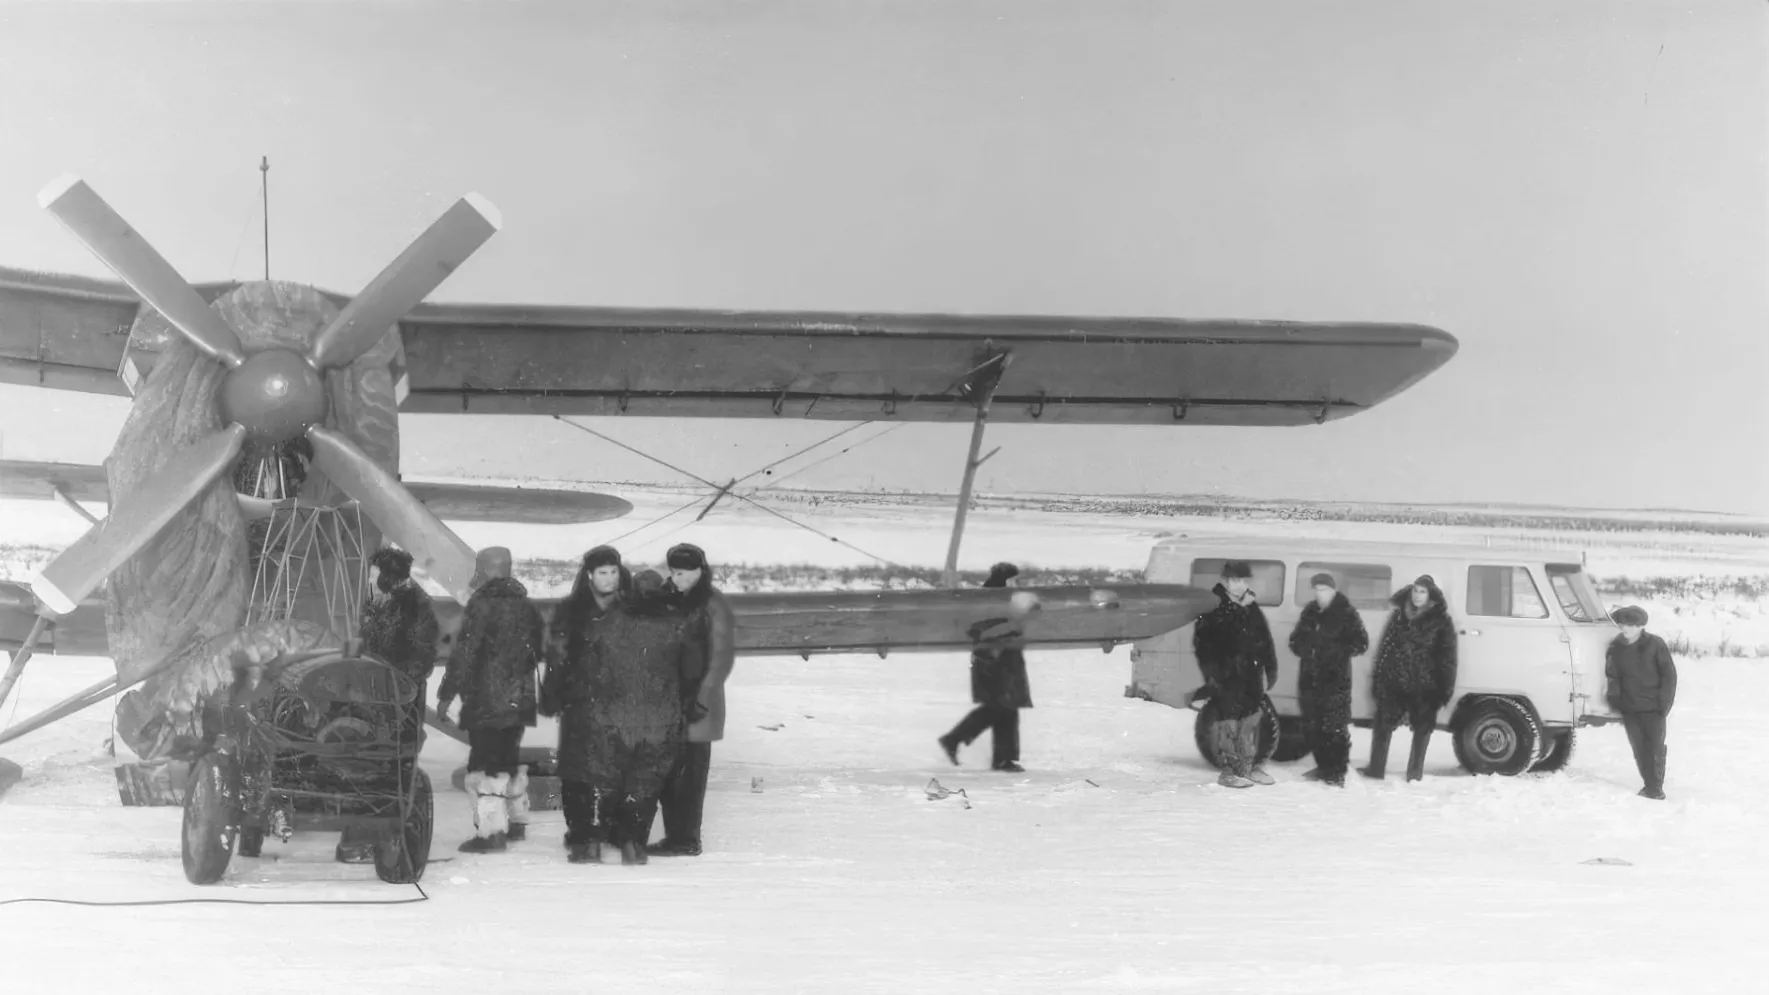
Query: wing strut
point(22, 656)
point(980, 390)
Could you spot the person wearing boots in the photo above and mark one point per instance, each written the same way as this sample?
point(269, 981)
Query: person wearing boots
point(1642, 686)
point(1240, 663)
point(399, 626)
point(998, 687)
point(603, 584)
point(633, 662)
point(712, 633)
point(492, 670)
point(1327, 636)
point(1414, 675)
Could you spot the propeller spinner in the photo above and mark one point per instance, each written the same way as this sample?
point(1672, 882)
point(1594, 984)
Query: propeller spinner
point(273, 394)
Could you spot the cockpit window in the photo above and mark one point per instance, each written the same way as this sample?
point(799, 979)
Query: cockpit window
point(1575, 592)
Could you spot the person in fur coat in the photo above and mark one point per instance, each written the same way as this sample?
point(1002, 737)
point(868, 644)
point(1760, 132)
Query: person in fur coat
point(999, 688)
point(628, 673)
point(602, 586)
point(1326, 638)
point(1240, 663)
point(492, 670)
point(713, 636)
point(1414, 675)
point(399, 626)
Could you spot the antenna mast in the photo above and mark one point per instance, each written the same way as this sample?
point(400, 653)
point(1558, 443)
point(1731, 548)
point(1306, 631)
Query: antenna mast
point(264, 185)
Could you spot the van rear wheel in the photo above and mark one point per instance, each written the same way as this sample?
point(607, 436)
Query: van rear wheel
point(1496, 736)
point(1560, 743)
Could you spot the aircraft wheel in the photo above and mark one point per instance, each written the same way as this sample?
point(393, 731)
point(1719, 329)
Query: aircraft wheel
point(1208, 715)
point(401, 855)
point(1292, 741)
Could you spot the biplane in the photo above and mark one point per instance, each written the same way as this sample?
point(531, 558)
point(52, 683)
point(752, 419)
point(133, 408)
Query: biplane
point(228, 379)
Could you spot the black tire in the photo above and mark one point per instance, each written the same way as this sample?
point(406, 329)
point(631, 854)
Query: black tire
point(211, 818)
point(1292, 741)
point(1560, 744)
point(1496, 736)
point(400, 857)
point(1269, 732)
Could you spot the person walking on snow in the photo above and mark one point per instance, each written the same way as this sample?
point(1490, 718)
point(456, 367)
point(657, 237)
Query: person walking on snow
point(1326, 638)
point(712, 633)
point(492, 670)
point(1240, 663)
point(1414, 675)
point(1642, 686)
point(602, 586)
point(999, 688)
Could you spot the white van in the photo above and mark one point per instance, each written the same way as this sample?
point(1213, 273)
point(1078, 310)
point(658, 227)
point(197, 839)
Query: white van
point(1532, 635)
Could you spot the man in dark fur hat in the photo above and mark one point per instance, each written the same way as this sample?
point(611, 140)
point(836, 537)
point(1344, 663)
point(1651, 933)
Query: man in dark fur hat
point(492, 670)
point(399, 626)
point(1642, 686)
point(1240, 663)
point(713, 634)
point(998, 687)
point(627, 682)
point(1414, 675)
point(602, 585)
point(1327, 636)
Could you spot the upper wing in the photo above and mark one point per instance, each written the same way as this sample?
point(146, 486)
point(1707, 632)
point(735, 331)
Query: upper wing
point(490, 359)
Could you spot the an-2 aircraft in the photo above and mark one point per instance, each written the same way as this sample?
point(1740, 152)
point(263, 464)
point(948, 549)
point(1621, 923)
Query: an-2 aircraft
point(227, 378)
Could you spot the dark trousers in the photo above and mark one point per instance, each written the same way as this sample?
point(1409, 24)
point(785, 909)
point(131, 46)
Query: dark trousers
point(584, 819)
point(1004, 721)
point(1422, 716)
point(684, 793)
point(494, 751)
point(1329, 739)
point(1646, 734)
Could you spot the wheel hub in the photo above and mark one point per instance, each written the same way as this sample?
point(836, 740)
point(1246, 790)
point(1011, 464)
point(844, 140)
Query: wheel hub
point(275, 395)
point(1495, 740)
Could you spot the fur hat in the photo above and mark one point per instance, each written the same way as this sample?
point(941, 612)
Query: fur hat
point(602, 556)
point(1000, 574)
point(395, 565)
point(1631, 615)
point(1426, 581)
point(1232, 569)
point(686, 556)
point(491, 563)
point(1322, 580)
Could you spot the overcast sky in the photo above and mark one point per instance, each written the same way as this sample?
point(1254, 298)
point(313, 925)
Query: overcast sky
point(1575, 190)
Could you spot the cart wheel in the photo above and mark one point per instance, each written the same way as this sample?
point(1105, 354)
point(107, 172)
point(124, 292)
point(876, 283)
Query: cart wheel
point(401, 855)
point(211, 818)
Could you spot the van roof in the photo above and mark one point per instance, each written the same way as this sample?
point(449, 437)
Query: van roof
point(1279, 547)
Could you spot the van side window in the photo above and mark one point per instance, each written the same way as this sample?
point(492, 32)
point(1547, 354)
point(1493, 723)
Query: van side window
point(1365, 585)
point(1504, 592)
point(1268, 577)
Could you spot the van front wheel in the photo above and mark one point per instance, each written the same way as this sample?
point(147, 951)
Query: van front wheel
point(1496, 736)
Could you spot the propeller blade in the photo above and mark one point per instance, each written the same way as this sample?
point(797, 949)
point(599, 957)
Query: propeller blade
point(82, 567)
point(435, 549)
point(421, 268)
point(122, 248)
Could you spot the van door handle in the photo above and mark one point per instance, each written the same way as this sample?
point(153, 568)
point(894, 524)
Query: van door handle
point(1565, 638)
point(1469, 632)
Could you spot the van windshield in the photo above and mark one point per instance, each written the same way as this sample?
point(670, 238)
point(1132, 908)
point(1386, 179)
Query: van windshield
point(1575, 592)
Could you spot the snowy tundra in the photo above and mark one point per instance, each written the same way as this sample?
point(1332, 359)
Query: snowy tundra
point(1113, 864)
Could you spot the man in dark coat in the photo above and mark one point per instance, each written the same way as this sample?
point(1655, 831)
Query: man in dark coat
point(1240, 663)
point(603, 584)
point(492, 670)
point(1642, 686)
point(1327, 636)
point(712, 633)
point(627, 682)
point(1414, 675)
point(998, 687)
point(399, 626)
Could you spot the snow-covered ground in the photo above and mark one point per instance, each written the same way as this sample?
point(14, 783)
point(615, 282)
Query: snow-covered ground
point(1114, 864)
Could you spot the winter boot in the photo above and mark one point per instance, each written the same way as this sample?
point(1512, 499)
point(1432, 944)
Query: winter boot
point(1258, 775)
point(1378, 767)
point(1655, 787)
point(584, 853)
point(949, 746)
point(490, 813)
point(668, 847)
point(1314, 774)
point(516, 805)
point(1009, 767)
point(1230, 779)
point(1416, 758)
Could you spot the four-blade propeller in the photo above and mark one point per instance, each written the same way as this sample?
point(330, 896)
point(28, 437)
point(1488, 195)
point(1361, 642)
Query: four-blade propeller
point(273, 394)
